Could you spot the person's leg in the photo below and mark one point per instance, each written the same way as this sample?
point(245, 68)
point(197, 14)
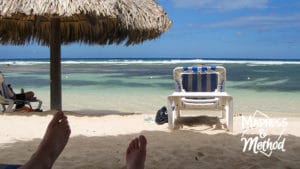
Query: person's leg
point(136, 153)
point(20, 96)
point(25, 96)
point(53, 143)
point(29, 95)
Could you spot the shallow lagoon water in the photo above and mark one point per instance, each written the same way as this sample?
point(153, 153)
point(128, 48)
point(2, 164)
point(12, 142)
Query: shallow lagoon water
point(143, 86)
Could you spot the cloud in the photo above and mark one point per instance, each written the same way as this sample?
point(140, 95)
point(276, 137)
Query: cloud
point(221, 5)
point(260, 22)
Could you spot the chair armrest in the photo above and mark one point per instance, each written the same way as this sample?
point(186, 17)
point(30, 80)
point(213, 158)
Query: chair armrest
point(200, 94)
point(191, 100)
point(5, 101)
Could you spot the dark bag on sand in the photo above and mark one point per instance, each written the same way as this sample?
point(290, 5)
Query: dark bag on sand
point(161, 116)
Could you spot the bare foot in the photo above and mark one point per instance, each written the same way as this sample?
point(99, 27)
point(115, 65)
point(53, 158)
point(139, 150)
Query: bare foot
point(136, 153)
point(53, 143)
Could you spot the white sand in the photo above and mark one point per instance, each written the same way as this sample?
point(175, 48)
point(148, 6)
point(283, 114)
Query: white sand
point(100, 142)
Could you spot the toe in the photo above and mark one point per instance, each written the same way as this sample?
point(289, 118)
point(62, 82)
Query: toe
point(131, 145)
point(136, 143)
point(143, 142)
point(57, 117)
point(63, 120)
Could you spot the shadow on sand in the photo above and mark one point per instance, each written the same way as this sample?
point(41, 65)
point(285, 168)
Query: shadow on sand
point(177, 149)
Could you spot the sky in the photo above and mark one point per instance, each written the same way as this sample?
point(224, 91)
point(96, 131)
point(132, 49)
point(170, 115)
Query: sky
point(246, 29)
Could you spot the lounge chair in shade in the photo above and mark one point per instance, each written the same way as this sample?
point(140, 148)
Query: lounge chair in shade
point(200, 88)
point(8, 103)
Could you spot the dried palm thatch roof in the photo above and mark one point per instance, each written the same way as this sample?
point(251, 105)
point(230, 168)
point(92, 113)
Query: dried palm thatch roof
point(88, 21)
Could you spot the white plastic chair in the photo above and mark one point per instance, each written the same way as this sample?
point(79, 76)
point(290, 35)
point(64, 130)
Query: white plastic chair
point(8, 104)
point(200, 88)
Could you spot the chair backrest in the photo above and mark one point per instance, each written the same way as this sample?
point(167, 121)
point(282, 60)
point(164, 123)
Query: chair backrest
point(1, 77)
point(204, 82)
point(200, 78)
point(3, 86)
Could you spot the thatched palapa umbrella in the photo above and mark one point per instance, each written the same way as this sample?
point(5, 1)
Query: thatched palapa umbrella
point(56, 22)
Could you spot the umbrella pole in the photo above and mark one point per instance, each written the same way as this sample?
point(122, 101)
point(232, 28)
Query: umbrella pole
point(55, 65)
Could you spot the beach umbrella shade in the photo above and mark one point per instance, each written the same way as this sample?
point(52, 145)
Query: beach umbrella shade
point(56, 22)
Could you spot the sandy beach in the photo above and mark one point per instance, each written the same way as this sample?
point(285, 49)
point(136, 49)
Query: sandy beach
point(111, 66)
point(101, 141)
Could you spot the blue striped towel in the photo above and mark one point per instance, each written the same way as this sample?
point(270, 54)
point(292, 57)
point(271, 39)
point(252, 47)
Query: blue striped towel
point(200, 82)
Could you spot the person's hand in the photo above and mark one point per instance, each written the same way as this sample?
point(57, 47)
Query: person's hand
point(10, 88)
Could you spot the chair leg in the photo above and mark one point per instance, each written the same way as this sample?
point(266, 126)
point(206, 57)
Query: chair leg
point(40, 104)
point(176, 117)
point(229, 114)
point(171, 114)
point(172, 119)
point(10, 107)
point(29, 104)
point(3, 108)
point(223, 114)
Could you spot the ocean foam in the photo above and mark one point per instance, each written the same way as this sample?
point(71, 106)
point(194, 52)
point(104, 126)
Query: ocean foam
point(157, 62)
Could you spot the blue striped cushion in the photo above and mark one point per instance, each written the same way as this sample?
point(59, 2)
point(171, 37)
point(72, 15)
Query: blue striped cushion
point(200, 82)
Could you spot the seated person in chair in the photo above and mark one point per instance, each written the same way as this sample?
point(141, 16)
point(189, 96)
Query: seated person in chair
point(19, 96)
point(8, 92)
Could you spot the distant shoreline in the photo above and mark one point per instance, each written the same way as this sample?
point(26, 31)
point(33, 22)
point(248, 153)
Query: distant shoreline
point(34, 61)
point(149, 59)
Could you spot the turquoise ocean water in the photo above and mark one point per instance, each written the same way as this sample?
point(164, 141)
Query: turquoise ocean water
point(142, 85)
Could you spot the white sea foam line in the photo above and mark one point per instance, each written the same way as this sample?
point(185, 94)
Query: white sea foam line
point(22, 62)
point(174, 61)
